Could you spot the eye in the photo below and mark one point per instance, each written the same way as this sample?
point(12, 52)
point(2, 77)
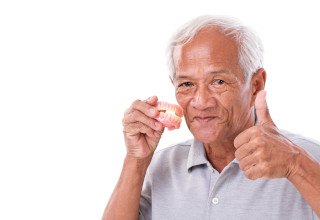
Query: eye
point(219, 82)
point(186, 84)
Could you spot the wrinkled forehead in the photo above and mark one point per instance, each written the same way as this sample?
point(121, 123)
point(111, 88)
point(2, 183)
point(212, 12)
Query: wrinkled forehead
point(209, 46)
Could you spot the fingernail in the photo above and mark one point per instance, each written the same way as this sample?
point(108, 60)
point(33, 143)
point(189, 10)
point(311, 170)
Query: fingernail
point(153, 111)
point(149, 99)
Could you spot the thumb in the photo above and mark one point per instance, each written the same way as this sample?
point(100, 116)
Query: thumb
point(152, 100)
point(262, 111)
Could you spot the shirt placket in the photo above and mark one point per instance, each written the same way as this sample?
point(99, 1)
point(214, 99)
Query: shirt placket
point(218, 187)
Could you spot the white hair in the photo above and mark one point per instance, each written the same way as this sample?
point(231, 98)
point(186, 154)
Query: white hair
point(250, 49)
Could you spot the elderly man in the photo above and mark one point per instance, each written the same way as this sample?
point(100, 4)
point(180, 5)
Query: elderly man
point(239, 164)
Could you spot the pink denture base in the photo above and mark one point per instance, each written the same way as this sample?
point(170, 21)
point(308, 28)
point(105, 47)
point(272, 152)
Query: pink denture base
point(169, 115)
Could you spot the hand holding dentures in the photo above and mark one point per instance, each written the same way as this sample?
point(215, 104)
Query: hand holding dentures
point(144, 122)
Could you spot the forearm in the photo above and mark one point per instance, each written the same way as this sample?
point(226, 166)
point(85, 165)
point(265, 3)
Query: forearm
point(306, 179)
point(125, 199)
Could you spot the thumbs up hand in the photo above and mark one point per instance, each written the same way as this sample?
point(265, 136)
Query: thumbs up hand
point(261, 150)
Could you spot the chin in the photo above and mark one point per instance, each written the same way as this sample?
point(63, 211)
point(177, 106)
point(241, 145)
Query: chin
point(205, 135)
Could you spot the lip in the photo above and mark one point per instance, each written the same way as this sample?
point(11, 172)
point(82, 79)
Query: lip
point(201, 119)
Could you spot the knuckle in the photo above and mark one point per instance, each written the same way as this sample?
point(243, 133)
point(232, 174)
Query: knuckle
point(140, 126)
point(255, 130)
point(253, 176)
point(259, 142)
point(258, 131)
point(135, 103)
point(262, 141)
point(127, 113)
point(125, 123)
point(258, 153)
point(265, 169)
point(236, 142)
point(153, 124)
point(263, 155)
point(126, 117)
point(241, 165)
point(237, 154)
point(249, 175)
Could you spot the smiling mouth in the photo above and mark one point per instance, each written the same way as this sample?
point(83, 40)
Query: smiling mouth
point(204, 119)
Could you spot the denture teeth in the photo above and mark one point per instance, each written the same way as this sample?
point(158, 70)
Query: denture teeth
point(169, 115)
point(171, 107)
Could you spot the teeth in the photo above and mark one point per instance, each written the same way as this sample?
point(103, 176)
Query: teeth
point(168, 115)
point(170, 111)
point(170, 108)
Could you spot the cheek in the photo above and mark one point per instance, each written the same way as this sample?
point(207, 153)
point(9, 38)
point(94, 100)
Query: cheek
point(182, 100)
point(240, 109)
point(233, 105)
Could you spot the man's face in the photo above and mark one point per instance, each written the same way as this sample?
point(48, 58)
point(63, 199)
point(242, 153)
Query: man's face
point(211, 88)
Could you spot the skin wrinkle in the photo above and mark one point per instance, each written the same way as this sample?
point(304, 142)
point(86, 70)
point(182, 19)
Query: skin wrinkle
point(222, 107)
point(232, 84)
point(244, 117)
point(238, 122)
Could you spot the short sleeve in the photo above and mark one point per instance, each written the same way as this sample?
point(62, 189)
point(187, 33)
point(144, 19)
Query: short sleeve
point(145, 199)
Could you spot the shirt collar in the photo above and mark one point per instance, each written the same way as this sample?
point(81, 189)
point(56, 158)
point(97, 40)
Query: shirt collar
point(197, 155)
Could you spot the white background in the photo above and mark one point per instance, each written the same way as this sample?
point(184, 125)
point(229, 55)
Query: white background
point(69, 70)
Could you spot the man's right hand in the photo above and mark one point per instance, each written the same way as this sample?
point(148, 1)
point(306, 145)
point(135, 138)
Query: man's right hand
point(142, 132)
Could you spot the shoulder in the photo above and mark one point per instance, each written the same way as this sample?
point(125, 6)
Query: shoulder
point(173, 156)
point(175, 149)
point(310, 145)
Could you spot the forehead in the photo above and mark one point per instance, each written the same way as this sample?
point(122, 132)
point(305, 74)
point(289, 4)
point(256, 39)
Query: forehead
point(209, 47)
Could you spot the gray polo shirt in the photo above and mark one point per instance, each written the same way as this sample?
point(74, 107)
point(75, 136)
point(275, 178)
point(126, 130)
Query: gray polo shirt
point(181, 184)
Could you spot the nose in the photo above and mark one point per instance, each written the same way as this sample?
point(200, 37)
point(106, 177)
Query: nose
point(203, 99)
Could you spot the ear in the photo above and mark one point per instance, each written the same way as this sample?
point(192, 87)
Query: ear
point(258, 82)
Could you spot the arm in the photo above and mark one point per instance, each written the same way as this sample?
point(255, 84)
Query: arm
point(306, 179)
point(263, 152)
point(141, 134)
point(124, 202)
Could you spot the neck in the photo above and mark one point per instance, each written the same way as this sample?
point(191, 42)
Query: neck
point(220, 155)
point(221, 152)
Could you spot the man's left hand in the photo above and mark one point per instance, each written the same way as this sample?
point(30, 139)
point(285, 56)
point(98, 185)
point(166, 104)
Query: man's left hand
point(262, 151)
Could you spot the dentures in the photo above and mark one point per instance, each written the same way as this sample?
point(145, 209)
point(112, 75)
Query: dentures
point(169, 115)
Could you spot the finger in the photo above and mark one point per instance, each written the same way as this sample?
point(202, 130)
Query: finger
point(245, 150)
point(262, 111)
point(248, 162)
point(245, 137)
point(137, 116)
point(138, 128)
point(152, 100)
point(254, 172)
point(146, 107)
point(158, 133)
